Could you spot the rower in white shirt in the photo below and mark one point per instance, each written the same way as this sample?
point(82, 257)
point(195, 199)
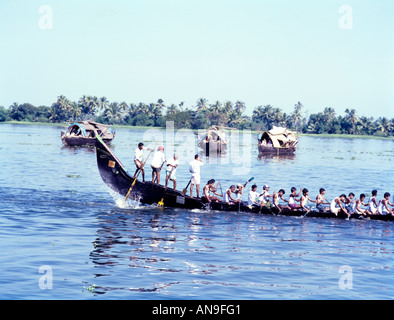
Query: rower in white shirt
point(172, 165)
point(156, 164)
point(138, 160)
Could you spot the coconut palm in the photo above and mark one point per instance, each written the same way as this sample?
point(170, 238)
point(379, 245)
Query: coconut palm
point(351, 119)
point(296, 116)
point(172, 109)
point(202, 104)
point(384, 126)
point(240, 106)
point(114, 112)
point(89, 105)
point(75, 111)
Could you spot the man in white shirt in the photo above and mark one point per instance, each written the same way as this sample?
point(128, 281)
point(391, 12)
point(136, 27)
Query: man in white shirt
point(138, 160)
point(253, 196)
point(172, 164)
point(156, 164)
point(194, 168)
point(264, 195)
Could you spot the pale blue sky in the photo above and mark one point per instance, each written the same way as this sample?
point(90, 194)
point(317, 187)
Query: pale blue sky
point(260, 52)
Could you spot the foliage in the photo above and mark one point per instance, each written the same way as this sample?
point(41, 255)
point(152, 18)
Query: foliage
point(201, 115)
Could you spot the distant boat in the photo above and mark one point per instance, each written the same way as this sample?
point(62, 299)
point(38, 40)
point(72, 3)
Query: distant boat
point(278, 141)
point(83, 133)
point(214, 140)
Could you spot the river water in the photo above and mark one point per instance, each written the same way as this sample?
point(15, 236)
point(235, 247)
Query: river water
point(65, 235)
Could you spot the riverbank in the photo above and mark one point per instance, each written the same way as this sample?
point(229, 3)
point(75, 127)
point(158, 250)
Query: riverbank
point(322, 135)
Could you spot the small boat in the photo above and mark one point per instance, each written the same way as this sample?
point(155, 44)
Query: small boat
point(83, 133)
point(214, 141)
point(278, 141)
point(118, 179)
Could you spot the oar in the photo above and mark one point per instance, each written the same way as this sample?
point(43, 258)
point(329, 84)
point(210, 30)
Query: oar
point(239, 203)
point(161, 202)
point(135, 179)
point(185, 190)
point(252, 178)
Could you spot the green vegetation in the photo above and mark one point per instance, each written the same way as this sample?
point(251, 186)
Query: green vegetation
point(200, 115)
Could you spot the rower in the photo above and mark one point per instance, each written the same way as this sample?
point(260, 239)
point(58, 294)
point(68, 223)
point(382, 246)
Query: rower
point(360, 202)
point(350, 202)
point(320, 200)
point(304, 199)
point(209, 187)
point(383, 205)
point(275, 199)
point(194, 168)
point(265, 195)
point(293, 199)
point(157, 163)
point(239, 192)
point(172, 165)
point(372, 203)
point(336, 205)
point(138, 160)
point(228, 198)
point(252, 197)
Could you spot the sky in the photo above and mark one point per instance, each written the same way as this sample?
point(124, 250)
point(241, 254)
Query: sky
point(324, 53)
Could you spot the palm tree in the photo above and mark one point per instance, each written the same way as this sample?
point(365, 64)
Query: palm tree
point(351, 119)
point(240, 106)
point(89, 105)
point(75, 111)
point(384, 126)
point(202, 104)
point(172, 109)
point(114, 113)
point(296, 116)
point(103, 103)
point(228, 107)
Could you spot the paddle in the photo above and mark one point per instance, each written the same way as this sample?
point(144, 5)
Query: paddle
point(252, 178)
point(239, 203)
point(161, 202)
point(135, 179)
point(185, 190)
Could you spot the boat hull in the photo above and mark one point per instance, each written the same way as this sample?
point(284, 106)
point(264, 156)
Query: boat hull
point(118, 179)
point(276, 151)
point(80, 141)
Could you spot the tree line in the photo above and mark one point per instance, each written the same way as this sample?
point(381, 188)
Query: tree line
point(201, 115)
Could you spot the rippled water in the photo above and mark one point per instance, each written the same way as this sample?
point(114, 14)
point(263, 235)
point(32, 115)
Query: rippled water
point(56, 212)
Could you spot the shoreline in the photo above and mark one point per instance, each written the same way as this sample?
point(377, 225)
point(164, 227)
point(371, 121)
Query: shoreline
point(322, 135)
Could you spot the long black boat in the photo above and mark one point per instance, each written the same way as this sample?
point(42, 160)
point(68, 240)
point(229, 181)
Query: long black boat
point(118, 179)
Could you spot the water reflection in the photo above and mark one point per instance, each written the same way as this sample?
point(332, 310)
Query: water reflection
point(281, 157)
point(146, 250)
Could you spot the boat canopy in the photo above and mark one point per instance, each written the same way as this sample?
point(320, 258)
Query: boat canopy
point(280, 137)
point(91, 126)
point(214, 132)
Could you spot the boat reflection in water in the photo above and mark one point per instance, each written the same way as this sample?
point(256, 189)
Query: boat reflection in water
point(280, 157)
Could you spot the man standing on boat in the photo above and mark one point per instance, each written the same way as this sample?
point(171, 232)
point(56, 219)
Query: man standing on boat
point(157, 163)
point(194, 168)
point(172, 164)
point(138, 160)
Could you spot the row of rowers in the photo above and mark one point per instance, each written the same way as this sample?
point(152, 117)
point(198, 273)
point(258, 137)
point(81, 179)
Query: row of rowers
point(233, 195)
point(346, 204)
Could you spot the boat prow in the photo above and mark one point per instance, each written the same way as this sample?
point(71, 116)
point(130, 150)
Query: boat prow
point(116, 177)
